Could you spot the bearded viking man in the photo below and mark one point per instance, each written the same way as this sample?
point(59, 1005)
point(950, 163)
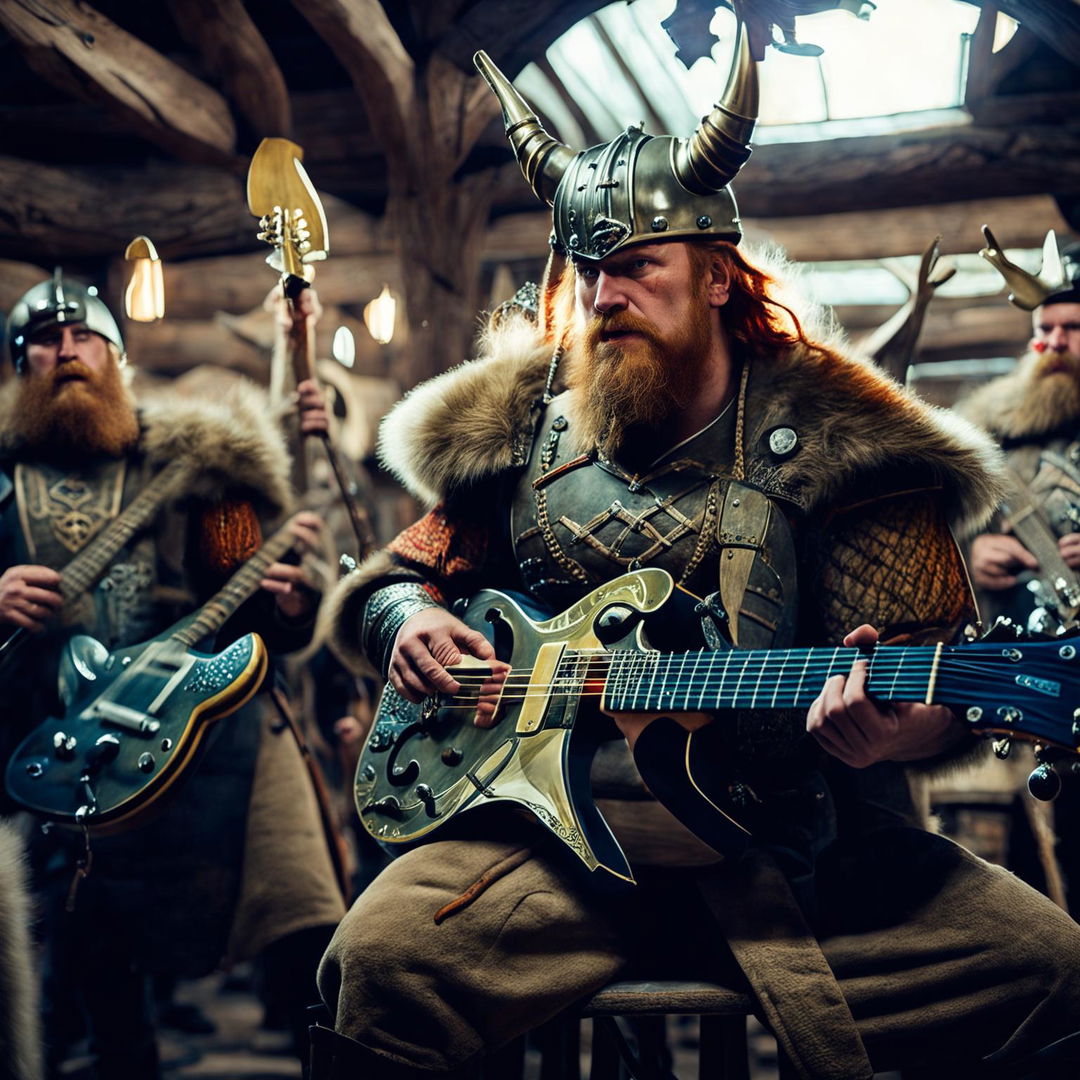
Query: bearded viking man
point(663, 407)
point(237, 865)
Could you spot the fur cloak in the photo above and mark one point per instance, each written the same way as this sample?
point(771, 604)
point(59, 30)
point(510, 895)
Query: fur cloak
point(20, 1034)
point(232, 442)
point(861, 436)
point(853, 423)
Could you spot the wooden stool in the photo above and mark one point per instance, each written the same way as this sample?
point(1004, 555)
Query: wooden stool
point(722, 1053)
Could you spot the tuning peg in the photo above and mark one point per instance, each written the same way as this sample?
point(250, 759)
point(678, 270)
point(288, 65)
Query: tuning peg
point(1044, 783)
point(1002, 748)
point(1003, 629)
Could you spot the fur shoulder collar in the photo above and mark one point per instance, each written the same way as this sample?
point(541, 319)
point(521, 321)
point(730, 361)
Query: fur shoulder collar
point(471, 422)
point(860, 435)
point(233, 441)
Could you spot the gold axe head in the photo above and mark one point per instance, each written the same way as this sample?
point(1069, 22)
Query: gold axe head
point(281, 195)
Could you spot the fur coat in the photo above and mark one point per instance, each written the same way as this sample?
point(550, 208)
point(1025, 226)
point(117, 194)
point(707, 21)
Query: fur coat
point(861, 436)
point(20, 1035)
point(232, 442)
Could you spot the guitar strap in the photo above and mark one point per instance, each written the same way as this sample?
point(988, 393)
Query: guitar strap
point(1036, 534)
point(755, 908)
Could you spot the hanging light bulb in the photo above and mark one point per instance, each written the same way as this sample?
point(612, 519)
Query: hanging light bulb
point(144, 299)
point(344, 347)
point(379, 316)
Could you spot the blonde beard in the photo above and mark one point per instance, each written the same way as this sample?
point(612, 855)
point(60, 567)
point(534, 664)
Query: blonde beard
point(1046, 402)
point(617, 390)
point(65, 422)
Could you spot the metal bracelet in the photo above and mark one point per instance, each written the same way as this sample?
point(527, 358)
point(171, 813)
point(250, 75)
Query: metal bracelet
point(386, 609)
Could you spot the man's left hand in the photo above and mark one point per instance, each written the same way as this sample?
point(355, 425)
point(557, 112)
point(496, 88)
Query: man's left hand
point(296, 596)
point(850, 725)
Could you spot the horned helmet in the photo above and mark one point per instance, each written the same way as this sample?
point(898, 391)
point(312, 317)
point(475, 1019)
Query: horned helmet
point(637, 187)
point(55, 303)
point(1058, 279)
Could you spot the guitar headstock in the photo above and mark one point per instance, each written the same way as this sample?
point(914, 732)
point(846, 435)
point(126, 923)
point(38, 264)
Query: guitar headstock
point(1016, 689)
point(291, 218)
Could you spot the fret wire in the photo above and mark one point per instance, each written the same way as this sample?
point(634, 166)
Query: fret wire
point(690, 681)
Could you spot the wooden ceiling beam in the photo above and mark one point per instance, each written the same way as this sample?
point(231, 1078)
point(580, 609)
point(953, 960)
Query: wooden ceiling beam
point(54, 213)
point(86, 55)
point(230, 44)
point(196, 288)
point(945, 164)
point(360, 35)
point(864, 234)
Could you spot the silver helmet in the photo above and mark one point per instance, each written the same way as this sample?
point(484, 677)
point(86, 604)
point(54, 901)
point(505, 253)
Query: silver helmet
point(57, 302)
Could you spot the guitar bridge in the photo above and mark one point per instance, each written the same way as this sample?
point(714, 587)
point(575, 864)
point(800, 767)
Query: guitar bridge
point(109, 712)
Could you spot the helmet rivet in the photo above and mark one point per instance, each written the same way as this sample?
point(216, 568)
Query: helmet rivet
point(659, 224)
point(704, 221)
point(572, 215)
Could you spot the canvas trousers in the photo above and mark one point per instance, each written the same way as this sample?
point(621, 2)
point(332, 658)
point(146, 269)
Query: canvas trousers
point(461, 945)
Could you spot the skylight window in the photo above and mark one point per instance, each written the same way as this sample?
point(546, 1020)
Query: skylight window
point(908, 57)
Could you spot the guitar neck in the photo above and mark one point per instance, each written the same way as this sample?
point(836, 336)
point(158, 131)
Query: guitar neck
point(223, 604)
point(83, 570)
point(760, 679)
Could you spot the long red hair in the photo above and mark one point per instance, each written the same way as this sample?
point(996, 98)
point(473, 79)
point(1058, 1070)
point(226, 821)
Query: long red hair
point(753, 315)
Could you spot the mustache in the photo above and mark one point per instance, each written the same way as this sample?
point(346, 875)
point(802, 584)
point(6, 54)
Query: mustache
point(617, 322)
point(71, 369)
point(1052, 362)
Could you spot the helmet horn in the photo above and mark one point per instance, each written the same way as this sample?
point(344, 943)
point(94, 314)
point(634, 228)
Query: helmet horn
point(1027, 290)
point(710, 159)
point(543, 160)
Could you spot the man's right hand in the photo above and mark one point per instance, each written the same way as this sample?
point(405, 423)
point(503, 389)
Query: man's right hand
point(28, 596)
point(426, 645)
point(996, 558)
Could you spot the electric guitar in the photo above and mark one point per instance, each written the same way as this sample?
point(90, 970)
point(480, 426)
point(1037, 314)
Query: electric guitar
point(292, 221)
point(423, 765)
point(134, 719)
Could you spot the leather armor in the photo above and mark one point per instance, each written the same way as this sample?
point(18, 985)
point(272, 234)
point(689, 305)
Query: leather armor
point(579, 520)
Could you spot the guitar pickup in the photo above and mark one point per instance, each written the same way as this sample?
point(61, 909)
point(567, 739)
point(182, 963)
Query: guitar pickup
point(109, 712)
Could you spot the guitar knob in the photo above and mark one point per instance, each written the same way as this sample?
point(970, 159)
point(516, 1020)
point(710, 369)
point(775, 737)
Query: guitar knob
point(1044, 783)
point(64, 746)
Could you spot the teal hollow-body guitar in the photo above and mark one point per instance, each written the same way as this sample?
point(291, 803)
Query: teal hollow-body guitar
point(133, 720)
point(424, 765)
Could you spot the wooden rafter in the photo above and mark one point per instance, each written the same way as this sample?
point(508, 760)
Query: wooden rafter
point(230, 43)
point(85, 54)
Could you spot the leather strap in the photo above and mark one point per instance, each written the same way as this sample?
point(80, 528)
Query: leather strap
point(1035, 533)
point(795, 988)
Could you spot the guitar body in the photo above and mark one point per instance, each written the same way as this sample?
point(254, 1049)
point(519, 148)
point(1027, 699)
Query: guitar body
point(423, 765)
point(133, 721)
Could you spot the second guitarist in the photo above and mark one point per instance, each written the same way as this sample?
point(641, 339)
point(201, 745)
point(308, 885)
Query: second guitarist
point(235, 864)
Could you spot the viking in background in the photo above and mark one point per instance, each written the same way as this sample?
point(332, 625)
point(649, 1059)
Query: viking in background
point(237, 865)
point(1026, 564)
point(665, 408)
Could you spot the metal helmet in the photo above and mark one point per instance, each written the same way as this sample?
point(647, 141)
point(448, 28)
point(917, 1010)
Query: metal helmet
point(56, 302)
point(1058, 279)
point(637, 187)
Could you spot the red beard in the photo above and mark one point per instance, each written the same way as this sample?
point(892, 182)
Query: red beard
point(69, 413)
point(619, 387)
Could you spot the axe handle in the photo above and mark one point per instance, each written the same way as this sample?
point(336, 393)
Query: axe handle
point(300, 338)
